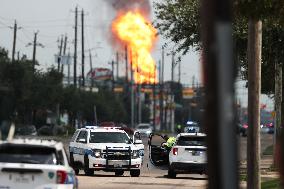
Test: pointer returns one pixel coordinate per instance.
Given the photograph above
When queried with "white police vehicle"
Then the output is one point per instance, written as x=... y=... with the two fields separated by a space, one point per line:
x=188 y=155
x=31 y=163
x=108 y=149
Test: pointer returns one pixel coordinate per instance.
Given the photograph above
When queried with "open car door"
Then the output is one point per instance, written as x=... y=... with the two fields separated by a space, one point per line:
x=158 y=155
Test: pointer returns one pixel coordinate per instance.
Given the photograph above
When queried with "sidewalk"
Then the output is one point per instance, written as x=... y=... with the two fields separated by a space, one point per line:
x=266 y=170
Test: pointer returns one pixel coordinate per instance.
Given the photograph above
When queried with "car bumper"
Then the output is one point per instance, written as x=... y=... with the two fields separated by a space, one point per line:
x=185 y=167
x=112 y=165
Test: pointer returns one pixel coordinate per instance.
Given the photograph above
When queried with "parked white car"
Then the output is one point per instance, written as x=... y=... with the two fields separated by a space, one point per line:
x=188 y=155
x=35 y=164
x=108 y=149
x=145 y=129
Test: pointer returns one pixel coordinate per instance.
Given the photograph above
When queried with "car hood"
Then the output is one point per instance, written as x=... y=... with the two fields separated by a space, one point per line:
x=121 y=146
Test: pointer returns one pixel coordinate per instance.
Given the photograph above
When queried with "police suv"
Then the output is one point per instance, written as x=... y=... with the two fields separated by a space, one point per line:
x=32 y=163
x=109 y=149
x=188 y=155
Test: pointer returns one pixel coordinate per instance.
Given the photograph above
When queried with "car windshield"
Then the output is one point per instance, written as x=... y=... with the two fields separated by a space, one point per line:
x=191 y=141
x=27 y=154
x=109 y=137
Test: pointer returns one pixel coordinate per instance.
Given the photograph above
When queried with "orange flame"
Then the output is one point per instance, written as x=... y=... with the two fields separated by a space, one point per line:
x=132 y=29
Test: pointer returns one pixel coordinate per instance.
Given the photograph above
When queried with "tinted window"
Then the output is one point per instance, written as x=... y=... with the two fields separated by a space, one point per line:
x=108 y=137
x=27 y=154
x=60 y=158
x=191 y=141
x=82 y=135
x=74 y=136
x=144 y=127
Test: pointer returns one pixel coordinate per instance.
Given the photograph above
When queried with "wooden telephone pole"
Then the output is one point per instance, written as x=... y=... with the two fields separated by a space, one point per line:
x=34 y=44
x=15 y=28
x=254 y=84
x=75 y=48
x=83 y=50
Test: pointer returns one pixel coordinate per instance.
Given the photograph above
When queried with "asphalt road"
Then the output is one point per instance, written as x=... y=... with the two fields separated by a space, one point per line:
x=151 y=177
x=155 y=177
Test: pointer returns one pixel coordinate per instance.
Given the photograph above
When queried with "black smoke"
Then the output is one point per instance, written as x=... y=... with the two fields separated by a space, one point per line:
x=125 y=5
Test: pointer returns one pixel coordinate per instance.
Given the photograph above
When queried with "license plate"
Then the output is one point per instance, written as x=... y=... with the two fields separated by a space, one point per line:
x=117 y=165
x=22 y=179
x=196 y=153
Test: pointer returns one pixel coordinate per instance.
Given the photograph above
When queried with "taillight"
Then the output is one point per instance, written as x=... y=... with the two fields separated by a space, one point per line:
x=175 y=151
x=61 y=177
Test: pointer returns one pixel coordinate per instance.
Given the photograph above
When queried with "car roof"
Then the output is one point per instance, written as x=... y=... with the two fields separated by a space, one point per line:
x=103 y=129
x=34 y=142
x=192 y=134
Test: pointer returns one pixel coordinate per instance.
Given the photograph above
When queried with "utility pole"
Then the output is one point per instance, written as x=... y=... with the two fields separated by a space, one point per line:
x=132 y=95
x=91 y=68
x=161 y=85
x=139 y=104
x=278 y=104
x=179 y=72
x=172 y=93
x=254 y=85
x=64 y=53
x=34 y=44
x=117 y=66
x=68 y=68
x=59 y=60
x=219 y=78
x=112 y=69
x=126 y=65
x=83 y=51
x=75 y=48
x=154 y=98
x=14 y=40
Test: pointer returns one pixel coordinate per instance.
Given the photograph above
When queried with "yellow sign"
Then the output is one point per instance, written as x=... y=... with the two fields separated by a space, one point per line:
x=273 y=114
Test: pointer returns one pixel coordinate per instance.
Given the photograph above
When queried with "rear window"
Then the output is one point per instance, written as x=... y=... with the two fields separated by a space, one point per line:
x=144 y=127
x=191 y=141
x=28 y=154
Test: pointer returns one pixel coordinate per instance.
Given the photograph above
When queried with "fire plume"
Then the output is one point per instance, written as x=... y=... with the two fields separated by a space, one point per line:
x=134 y=30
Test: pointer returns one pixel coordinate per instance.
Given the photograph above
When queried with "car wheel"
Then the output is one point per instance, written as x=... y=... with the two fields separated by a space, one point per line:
x=135 y=173
x=172 y=173
x=87 y=170
x=119 y=173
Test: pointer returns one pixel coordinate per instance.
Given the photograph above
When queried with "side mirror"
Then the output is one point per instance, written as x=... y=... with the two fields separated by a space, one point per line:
x=138 y=142
x=82 y=140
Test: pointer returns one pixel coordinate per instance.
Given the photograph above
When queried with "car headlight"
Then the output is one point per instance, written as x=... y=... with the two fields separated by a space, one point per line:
x=97 y=153
x=135 y=154
x=148 y=132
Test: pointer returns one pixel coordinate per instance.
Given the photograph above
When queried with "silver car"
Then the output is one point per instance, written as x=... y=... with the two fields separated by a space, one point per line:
x=145 y=129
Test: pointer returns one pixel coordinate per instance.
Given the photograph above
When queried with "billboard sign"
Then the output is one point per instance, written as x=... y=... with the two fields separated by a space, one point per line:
x=100 y=74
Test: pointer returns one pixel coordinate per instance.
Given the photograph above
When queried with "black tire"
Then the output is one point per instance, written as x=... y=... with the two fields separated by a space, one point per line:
x=172 y=173
x=87 y=170
x=73 y=165
x=135 y=173
x=119 y=173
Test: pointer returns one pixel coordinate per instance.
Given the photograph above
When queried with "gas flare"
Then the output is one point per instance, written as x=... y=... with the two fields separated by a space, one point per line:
x=134 y=30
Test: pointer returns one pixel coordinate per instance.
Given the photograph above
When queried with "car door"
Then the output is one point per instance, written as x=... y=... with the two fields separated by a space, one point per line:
x=158 y=155
x=79 y=147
